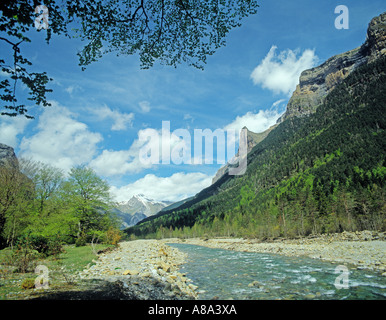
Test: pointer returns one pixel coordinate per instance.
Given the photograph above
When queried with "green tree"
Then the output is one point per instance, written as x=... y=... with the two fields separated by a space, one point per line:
x=170 y=31
x=45 y=216
x=88 y=199
x=46 y=180
x=15 y=194
x=247 y=195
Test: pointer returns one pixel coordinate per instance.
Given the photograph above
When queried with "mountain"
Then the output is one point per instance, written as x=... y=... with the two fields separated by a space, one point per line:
x=138 y=208
x=315 y=84
x=7 y=156
x=321 y=168
x=175 y=205
x=252 y=140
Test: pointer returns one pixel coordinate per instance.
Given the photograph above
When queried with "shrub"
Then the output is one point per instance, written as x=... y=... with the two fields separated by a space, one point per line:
x=39 y=243
x=113 y=236
x=24 y=259
x=55 y=247
x=81 y=241
x=28 y=284
x=24 y=255
x=44 y=245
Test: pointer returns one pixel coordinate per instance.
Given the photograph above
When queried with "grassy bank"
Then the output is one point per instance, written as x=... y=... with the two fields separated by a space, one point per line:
x=61 y=272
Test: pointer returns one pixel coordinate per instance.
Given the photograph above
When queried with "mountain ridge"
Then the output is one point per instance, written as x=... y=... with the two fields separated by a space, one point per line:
x=138 y=208
x=319 y=171
x=315 y=83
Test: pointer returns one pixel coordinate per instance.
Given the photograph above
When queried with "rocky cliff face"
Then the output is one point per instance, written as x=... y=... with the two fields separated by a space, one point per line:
x=7 y=156
x=252 y=140
x=316 y=83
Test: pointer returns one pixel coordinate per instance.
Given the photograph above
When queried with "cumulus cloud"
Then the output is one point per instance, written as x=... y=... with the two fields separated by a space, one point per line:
x=256 y=122
x=280 y=72
x=260 y=121
x=10 y=128
x=120 y=120
x=60 y=140
x=112 y=163
x=152 y=147
x=174 y=188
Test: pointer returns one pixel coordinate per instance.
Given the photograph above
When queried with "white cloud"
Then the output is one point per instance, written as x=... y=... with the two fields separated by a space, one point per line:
x=5 y=74
x=120 y=120
x=277 y=103
x=73 y=89
x=280 y=73
x=174 y=188
x=10 y=128
x=145 y=106
x=134 y=160
x=111 y=163
x=256 y=122
x=188 y=117
x=61 y=140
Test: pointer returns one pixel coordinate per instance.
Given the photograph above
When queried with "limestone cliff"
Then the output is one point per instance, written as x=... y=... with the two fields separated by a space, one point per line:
x=7 y=156
x=252 y=140
x=316 y=83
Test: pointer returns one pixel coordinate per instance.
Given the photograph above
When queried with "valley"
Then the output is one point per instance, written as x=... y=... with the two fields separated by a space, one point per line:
x=319 y=170
x=221 y=268
x=84 y=188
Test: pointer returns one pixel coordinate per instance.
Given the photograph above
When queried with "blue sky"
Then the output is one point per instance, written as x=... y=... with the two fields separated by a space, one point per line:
x=98 y=115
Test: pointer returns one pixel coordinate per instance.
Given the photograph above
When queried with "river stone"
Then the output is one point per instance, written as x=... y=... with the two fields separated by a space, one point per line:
x=255 y=284
x=192 y=286
x=130 y=272
x=165 y=267
x=145 y=274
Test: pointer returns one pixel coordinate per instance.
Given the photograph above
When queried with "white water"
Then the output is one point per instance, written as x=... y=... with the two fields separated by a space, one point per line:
x=224 y=274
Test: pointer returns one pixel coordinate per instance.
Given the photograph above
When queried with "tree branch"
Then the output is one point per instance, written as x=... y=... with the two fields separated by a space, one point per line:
x=181 y=2
x=161 y=26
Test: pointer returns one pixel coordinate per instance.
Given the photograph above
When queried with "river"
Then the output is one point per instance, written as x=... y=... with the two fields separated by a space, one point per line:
x=225 y=274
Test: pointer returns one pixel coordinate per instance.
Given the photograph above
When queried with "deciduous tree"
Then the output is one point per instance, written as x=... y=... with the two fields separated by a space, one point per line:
x=169 y=31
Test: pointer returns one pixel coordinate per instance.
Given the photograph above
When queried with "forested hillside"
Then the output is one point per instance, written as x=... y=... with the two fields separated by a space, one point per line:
x=322 y=172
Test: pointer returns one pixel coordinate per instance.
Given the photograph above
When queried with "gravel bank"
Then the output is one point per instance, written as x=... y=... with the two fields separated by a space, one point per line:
x=364 y=250
x=143 y=270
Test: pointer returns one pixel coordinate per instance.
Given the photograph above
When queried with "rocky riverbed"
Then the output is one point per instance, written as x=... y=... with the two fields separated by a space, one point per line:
x=364 y=250
x=142 y=270
x=150 y=269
